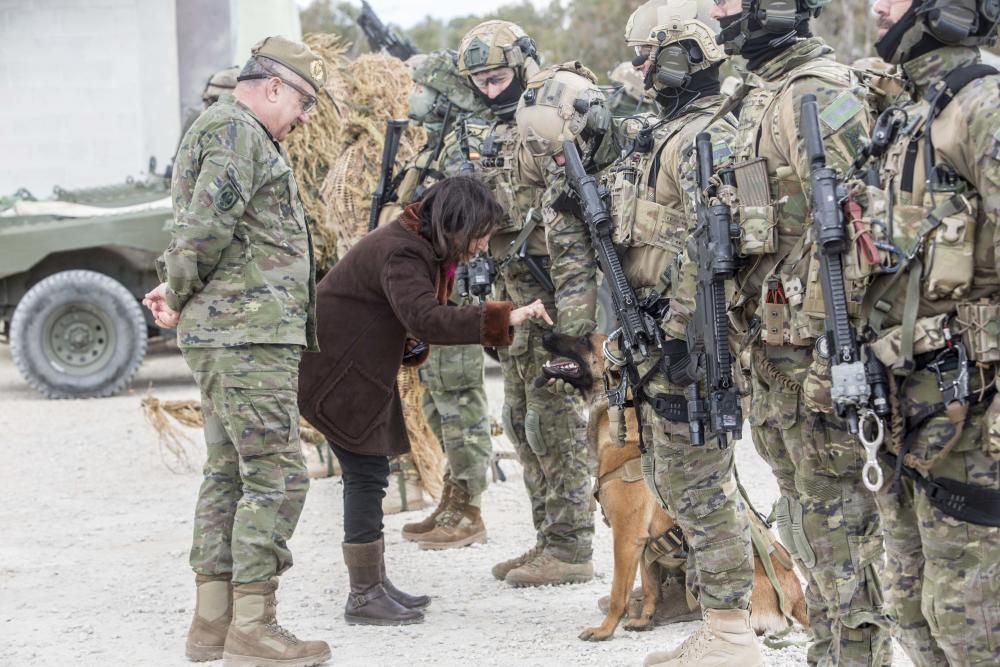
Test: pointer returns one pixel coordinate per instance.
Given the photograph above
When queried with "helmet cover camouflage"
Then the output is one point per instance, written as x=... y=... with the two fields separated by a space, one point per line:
x=561 y=103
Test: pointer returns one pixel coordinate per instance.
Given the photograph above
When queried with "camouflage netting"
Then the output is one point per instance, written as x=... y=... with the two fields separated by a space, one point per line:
x=424 y=446
x=336 y=155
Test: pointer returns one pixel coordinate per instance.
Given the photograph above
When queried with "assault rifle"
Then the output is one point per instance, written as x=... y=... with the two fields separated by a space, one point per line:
x=383 y=190
x=638 y=332
x=383 y=38
x=711 y=248
x=858 y=382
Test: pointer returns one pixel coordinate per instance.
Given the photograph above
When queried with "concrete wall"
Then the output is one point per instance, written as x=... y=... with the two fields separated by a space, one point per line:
x=89 y=90
x=92 y=88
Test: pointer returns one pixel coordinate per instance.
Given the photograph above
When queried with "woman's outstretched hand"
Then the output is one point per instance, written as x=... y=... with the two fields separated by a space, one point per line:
x=533 y=311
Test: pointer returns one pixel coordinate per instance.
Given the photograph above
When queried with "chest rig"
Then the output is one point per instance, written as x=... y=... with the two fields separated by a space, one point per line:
x=497 y=163
x=772 y=210
x=934 y=219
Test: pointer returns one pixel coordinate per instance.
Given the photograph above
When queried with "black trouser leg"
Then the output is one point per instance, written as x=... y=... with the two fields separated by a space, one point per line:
x=365 y=480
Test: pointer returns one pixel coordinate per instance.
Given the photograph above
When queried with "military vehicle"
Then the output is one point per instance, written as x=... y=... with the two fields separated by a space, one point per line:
x=73 y=271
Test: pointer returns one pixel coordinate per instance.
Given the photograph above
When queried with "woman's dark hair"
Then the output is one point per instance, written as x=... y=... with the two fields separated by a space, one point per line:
x=454 y=213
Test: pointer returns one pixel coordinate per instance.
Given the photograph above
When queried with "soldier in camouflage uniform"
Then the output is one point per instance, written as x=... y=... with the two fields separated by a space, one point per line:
x=940 y=501
x=825 y=516
x=455 y=402
x=653 y=205
x=239 y=287
x=543 y=255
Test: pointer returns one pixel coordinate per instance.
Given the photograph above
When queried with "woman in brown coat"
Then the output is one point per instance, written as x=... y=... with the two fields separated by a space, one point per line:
x=377 y=309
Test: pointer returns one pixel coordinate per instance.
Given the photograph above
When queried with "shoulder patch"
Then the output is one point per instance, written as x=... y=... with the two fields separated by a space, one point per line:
x=721 y=152
x=841 y=110
x=226 y=197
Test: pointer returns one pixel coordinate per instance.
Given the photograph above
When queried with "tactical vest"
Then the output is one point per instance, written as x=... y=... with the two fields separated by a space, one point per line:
x=652 y=234
x=772 y=211
x=497 y=163
x=943 y=255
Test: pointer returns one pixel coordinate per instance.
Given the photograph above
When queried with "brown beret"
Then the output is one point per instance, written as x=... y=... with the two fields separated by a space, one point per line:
x=296 y=56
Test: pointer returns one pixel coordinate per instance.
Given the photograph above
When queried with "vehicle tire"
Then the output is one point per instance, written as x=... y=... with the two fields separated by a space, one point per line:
x=78 y=334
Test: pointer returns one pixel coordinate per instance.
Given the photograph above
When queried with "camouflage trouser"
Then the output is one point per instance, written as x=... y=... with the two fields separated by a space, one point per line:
x=455 y=406
x=255 y=479
x=942 y=578
x=697 y=486
x=825 y=517
x=549 y=433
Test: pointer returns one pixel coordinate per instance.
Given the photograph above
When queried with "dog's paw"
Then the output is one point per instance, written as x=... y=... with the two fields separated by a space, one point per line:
x=597 y=634
x=639 y=624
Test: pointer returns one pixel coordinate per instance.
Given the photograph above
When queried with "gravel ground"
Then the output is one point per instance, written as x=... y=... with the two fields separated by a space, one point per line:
x=93 y=567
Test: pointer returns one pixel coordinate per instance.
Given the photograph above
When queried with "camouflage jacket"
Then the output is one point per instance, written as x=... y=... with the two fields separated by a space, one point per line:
x=240 y=265
x=524 y=183
x=772 y=173
x=653 y=203
x=958 y=258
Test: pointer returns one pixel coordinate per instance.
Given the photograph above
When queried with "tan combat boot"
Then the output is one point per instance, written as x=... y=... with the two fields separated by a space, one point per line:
x=256 y=640
x=546 y=569
x=415 y=530
x=212 y=613
x=459 y=525
x=672 y=607
x=724 y=639
x=501 y=570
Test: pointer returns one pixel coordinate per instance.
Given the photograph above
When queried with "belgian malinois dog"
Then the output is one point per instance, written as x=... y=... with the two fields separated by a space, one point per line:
x=635 y=516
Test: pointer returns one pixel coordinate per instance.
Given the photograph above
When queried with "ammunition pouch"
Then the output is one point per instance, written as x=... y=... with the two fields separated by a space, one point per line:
x=755 y=213
x=949 y=258
x=979 y=323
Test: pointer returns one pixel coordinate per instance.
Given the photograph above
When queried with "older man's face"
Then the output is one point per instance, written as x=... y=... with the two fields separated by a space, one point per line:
x=888 y=12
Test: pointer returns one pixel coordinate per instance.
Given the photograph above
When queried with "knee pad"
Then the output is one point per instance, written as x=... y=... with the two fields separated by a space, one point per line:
x=533 y=432
x=788 y=519
x=507 y=417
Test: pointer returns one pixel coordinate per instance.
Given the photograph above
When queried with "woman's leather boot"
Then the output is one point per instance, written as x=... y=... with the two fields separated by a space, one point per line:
x=369 y=603
x=405 y=599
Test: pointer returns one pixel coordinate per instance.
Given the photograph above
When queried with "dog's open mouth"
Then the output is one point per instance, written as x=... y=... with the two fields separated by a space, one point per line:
x=560 y=368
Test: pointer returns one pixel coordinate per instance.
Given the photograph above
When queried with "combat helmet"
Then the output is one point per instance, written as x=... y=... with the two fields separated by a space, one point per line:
x=494 y=44
x=778 y=20
x=436 y=85
x=562 y=103
x=220 y=83
x=950 y=22
x=683 y=45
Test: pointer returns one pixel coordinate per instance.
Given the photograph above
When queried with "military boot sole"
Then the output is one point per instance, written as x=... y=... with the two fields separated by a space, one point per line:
x=478 y=538
x=562 y=581
x=197 y=653
x=235 y=660
x=364 y=620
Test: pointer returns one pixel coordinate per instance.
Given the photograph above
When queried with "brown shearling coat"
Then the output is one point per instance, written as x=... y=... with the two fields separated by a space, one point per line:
x=387 y=289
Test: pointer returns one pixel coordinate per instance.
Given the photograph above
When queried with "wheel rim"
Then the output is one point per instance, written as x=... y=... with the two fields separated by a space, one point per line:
x=78 y=339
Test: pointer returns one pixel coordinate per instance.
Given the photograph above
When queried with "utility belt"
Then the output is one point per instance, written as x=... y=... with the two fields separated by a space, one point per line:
x=965 y=502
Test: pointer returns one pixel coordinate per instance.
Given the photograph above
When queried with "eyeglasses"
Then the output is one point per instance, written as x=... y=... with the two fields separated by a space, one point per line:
x=644 y=51
x=482 y=81
x=308 y=99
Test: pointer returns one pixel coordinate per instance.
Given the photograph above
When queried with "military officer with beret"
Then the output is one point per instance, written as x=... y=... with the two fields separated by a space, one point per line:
x=238 y=285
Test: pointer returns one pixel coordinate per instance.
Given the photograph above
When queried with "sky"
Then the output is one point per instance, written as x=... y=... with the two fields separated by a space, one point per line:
x=406 y=13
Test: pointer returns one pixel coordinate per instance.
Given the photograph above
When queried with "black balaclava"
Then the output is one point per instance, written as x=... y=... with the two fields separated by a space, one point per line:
x=504 y=105
x=890 y=42
x=701 y=84
x=760 y=49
